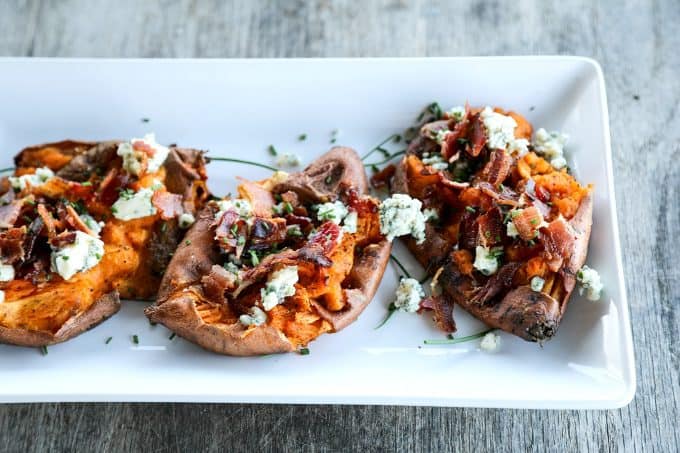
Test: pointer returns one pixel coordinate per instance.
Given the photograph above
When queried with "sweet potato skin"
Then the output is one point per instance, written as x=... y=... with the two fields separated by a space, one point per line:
x=180 y=290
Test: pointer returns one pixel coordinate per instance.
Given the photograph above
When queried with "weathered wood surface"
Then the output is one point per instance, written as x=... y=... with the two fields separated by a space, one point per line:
x=637 y=44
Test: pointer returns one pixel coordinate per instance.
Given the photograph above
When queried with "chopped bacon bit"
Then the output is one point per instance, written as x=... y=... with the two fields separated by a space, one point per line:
x=527 y=222
x=231 y=232
x=558 y=241
x=452 y=142
x=327 y=236
x=49 y=221
x=491 y=228
x=291 y=197
x=169 y=204
x=217 y=283
x=141 y=146
x=467 y=237
x=9 y=213
x=63 y=238
x=267 y=232
x=478 y=138
x=452 y=184
x=443 y=311
x=497 y=168
x=260 y=198
x=73 y=219
x=506 y=197
x=12 y=245
x=382 y=178
x=109 y=187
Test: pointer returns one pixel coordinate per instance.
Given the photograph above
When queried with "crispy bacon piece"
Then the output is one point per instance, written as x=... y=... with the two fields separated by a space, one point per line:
x=231 y=232
x=48 y=220
x=32 y=233
x=268 y=264
x=468 y=231
x=478 y=136
x=9 y=213
x=496 y=284
x=506 y=196
x=12 y=245
x=267 y=232
x=110 y=186
x=217 y=283
x=63 y=238
x=527 y=222
x=443 y=180
x=168 y=204
x=382 y=178
x=497 y=168
x=443 y=311
x=459 y=130
x=321 y=244
x=490 y=230
x=558 y=240
x=260 y=198
x=73 y=219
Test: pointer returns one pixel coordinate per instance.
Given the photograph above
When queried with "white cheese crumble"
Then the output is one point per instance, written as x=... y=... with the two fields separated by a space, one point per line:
x=288 y=160
x=85 y=252
x=500 y=132
x=41 y=176
x=132 y=158
x=255 y=317
x=440 y=136
x=431 y=215
x=490 y=342
x=280 y=285
x=335 y=212
x=92 y=224
x=400 y=215
x=435 y=160
x=486 y=260
x=537 y=284
x=241 y=206
x=551 y=146
x=350 y=222
x=590 y=283
x=457 y=113
x=185 y=220
x=134 y=205
x=409 y=295
x=6 y=272
x=511 y=230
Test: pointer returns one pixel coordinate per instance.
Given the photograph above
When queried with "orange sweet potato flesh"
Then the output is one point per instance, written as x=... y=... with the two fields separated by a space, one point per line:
x=55 y=310
x=326 y=299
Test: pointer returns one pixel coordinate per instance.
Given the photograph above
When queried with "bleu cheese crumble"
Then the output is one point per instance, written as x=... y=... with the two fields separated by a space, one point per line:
x=550 y=145
x=133 y=158
x=254 y=317
x=242 y=207
x=40 y=177
x=134 y=205
x=537 y=284
x=435 y=160
x=409 y=295
x=280 y=284
x=400 y=215
x=84 y=253
x=457 y=113
x=500 y=132
x=590 y=283
x=490 y=342
x=185 y=220
x=6 y=272
x=486 y=260
x=288 y=160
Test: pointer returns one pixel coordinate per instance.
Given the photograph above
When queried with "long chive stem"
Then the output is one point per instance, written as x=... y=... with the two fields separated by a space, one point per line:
x=388 y=159
x=401 y=266
x=240 y=161
x=379 y=145
x=390 y=312
x=459 y=340
x=5 y=170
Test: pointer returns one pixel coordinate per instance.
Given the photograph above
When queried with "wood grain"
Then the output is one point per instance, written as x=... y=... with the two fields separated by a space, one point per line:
x=637 y=44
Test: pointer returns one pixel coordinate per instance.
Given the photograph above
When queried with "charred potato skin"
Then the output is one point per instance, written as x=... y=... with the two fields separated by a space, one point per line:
x=180 y=289
x=532 y=316
x=184 y=167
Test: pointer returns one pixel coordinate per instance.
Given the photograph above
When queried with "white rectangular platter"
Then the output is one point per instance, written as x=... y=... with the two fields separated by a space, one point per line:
x=237 y=108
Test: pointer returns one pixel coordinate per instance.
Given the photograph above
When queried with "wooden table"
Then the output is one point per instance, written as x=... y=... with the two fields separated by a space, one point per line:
x=638 y=45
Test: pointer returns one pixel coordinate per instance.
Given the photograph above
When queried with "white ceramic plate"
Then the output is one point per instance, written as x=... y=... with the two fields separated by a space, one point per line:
x=238 y=107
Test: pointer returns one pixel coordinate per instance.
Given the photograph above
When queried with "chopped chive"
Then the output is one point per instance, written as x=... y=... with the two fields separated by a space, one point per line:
x=391 y=309
x=254 y=258
x=375 y=169
x=135 y=339
x=272 y=150
x=304 y=351
x=187 y=242
x=329 y=179
x=399 y=153
x=145 y=120
x=241 y=161
x=470 y=209
x=288 y=207
x=452 y=340
x=108 y=340
x=302 y=137
x=171 y=337
x=241 y=240
x=164 y=227
x=43 y=350
x=86 y=183
x=234 y=229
